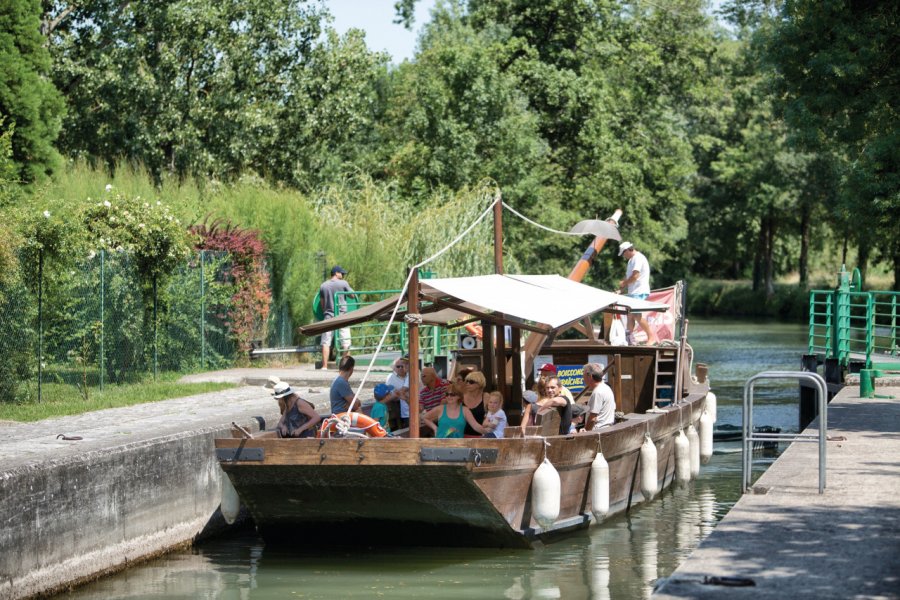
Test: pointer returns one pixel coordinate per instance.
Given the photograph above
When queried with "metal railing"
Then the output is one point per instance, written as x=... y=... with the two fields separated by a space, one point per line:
x=749 y=436
x=434 y=340
x=847 y=321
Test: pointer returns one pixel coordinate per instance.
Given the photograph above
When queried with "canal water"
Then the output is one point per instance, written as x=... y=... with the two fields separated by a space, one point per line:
x=619 y=560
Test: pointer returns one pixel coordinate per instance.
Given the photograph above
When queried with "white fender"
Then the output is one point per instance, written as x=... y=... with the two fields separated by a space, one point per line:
x=649 y=471
x=706 y=437
x=600 y=487
x=712 y=406
x=694 y=440
x=545 y=494
x=231 y=503
x=682 y=458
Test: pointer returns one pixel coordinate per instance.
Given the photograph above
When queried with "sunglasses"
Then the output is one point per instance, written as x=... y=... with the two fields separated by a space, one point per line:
x=471 y=381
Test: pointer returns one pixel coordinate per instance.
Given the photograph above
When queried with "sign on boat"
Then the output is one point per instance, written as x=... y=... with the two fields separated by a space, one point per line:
x=508 y=492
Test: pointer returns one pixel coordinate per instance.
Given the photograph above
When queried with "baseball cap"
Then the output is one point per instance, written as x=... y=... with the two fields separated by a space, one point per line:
x=547 y=368
x=624 y=246
x=382 y=390
x=282 y=389
x=338 y=269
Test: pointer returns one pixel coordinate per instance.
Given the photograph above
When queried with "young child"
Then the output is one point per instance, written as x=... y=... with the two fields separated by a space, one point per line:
x=494 y=418
x=380 y=408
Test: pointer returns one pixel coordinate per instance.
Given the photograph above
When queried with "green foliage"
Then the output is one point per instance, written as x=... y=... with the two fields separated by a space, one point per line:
x=58 y=400
x=30 y=107
x=837 y=82
x=455 y=117
x=146 y=230
x=738 y=299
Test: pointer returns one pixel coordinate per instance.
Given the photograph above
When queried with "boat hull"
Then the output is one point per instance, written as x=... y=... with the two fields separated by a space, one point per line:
x=468 y=492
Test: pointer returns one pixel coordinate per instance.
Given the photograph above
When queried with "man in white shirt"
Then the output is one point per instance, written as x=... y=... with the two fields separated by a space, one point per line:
x=637 y=285
x=602 y=404
x=399 y=378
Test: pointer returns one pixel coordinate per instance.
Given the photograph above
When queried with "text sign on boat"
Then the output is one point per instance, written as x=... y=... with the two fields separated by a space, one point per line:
x=570 y=377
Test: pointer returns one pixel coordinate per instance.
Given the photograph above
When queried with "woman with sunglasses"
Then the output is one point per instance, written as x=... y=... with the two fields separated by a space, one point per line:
x=475 y=399
x=452 y=418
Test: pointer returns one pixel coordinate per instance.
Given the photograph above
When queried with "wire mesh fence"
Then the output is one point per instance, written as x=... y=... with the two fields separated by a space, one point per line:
x=73 y=329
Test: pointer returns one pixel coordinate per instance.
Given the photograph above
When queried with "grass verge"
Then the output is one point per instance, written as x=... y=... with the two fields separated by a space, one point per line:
x=62 y=400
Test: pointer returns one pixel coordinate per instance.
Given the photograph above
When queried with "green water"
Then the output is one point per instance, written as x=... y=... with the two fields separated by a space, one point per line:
x=620 y=559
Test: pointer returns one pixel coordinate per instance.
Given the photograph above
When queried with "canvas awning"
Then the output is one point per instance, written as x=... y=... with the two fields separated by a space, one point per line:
x=535 y=302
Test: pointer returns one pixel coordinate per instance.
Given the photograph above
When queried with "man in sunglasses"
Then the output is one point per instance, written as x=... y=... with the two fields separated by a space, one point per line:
x=399 y=379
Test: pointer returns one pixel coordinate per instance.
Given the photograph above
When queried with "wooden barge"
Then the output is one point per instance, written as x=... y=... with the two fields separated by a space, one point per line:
x=479 y=491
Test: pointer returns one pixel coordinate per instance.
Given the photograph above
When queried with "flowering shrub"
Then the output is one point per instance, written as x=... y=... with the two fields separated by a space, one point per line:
x=248 y=314
x=145 y=229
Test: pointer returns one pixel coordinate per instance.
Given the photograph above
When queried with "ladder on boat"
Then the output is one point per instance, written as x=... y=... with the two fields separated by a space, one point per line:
x=664 y=383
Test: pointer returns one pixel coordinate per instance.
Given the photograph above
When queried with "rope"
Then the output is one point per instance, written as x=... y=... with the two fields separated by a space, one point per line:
x=390 y=322
x=536 y=224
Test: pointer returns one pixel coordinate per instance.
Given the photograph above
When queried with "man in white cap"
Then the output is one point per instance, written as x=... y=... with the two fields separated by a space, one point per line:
x=637 y=285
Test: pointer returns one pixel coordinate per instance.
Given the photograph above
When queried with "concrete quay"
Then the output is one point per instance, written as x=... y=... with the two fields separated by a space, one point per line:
x=142 y=480
x=790 y=541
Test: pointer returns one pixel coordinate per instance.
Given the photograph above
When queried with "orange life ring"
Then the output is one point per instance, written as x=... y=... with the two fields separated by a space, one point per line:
x=474 y=329
x=370 y=426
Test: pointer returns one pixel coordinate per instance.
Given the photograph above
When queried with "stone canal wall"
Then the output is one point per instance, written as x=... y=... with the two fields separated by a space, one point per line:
x=141 y=481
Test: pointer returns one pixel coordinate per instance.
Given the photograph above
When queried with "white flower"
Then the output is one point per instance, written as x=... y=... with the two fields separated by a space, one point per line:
x=108 y=187
x=158 y=203
x=141 y=225
x=46 y=214
x=91 y=255
x=107 y=203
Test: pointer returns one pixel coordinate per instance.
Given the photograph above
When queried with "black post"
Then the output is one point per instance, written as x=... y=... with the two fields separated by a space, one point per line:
x=40 y=321
x=808 y=407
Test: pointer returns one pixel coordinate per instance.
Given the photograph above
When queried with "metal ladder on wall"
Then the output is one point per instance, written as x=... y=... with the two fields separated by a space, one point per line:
x=749 y=436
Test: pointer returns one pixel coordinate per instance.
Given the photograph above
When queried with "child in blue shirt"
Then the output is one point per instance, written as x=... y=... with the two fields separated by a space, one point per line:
x=380 y=409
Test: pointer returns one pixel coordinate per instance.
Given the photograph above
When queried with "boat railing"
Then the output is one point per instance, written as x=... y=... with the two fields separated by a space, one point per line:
x=749 y=436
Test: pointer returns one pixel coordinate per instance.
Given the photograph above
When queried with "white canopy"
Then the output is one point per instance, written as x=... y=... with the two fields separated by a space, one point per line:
x=549 y=300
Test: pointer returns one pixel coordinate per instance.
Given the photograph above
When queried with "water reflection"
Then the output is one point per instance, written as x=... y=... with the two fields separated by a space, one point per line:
x=620 y=559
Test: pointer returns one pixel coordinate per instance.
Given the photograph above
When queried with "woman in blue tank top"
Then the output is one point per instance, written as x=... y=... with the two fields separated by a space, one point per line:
x=451 y=417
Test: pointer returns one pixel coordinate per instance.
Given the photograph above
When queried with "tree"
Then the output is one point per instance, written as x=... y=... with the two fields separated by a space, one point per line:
x=30 y=107
x=837 y=75
x=210 y=87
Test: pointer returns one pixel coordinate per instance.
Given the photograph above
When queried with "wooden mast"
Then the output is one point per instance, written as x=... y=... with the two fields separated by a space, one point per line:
x=500 y=329
x=412 y=309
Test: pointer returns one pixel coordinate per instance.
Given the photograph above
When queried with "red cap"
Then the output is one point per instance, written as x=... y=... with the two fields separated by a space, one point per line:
x=547 y=367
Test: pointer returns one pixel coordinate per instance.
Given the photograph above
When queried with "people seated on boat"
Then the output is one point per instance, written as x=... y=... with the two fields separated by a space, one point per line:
x=495 y=418
x=449 y=420
x=551 y=398
x=433 y=389
x=637 y=285
x=602 y=402
x=578 y=412
x=474 y=398
x=398 y=400
x=341 y=393
x=299 y=419
x=548 y=370
x=460 y=377
x=529 y=411
x=379 y=410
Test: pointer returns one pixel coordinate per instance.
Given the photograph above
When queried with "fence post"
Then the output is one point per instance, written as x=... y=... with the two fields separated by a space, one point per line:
x=202 y=313
x=102 y=316
x=40 y=322
x=155 y=336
